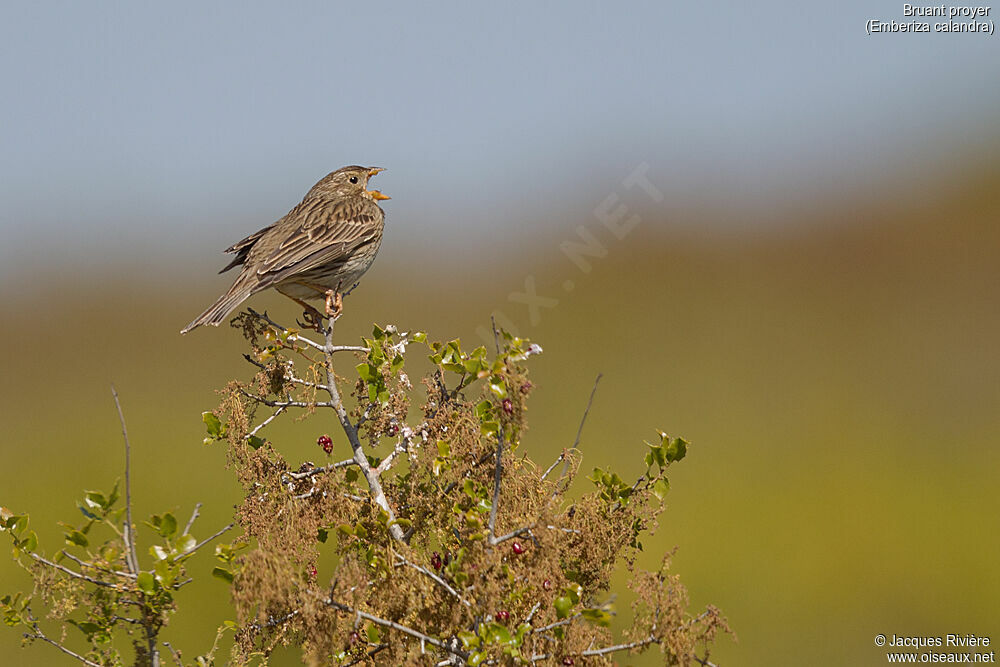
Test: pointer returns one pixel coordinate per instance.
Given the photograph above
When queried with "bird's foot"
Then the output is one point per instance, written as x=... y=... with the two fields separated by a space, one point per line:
x=334 y=303
x=313 y=320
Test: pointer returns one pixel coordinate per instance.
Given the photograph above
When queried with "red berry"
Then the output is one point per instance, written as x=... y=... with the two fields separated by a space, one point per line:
x=526 y=387
x=325 y=442
x=393 y=430
x=312 y=571
x=508 y=406
x=436 y=561
x=518 y=548
x=547 y=584
x=503 y=615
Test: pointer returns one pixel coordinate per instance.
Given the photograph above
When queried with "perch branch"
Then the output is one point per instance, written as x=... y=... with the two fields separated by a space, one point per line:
x=374 y=485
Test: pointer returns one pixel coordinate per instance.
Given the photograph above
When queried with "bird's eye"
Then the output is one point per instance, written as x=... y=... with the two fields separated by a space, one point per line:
x=354 y=179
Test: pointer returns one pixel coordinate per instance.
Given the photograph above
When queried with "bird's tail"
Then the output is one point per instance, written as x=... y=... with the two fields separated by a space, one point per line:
x=219 y=310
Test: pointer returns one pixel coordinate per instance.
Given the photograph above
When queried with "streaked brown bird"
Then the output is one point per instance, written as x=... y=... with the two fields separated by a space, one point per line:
x=320 y=248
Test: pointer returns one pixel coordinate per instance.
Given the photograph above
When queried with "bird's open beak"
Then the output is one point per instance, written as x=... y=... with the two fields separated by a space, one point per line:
x=376 y=195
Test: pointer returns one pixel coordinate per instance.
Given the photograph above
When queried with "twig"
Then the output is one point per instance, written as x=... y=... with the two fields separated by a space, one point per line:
x=284 y=404
x=565 y=621
x=82 y=563
x=511 y=535
x=38 y=634
x=531 y=614
x=130 y=557
x=374 y=485
x=194 y=515
x=380 y=647
x=436 y=578
x=321 y=469
x=559 y=458
x=264 y=423
x=76 y=575
x=497 y=477
x=590 y=402
x=416 y=634
x=579 y=431
x=621 y=647
x=205 y=541
x=174 y=654
x=496 y=334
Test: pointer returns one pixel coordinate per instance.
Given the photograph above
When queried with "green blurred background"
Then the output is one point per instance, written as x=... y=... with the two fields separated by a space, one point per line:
x=813 y=303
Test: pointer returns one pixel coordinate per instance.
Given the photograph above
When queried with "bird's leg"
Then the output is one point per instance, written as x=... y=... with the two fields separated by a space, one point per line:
x=334 y=303
x=313 y=318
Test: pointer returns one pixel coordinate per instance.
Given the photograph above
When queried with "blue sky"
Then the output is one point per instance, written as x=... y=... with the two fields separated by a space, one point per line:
x=152 y=124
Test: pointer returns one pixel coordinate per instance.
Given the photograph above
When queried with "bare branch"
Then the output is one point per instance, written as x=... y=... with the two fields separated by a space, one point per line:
x=283 y=404
x=194 y=516
x=511 y=535
x=321 y=469
x=374 y=485
x=83 y=563
x=416 y=634
x=174 y=654
x=258 y=427
x=497 y=477
x=130 y=556
x=559 y=458
x=38 y=634
x=436 y=578
x=621 y=647
x=565 y=621
x=205 y=541
x=75 y=575
x=590 y=402
x=367 y=656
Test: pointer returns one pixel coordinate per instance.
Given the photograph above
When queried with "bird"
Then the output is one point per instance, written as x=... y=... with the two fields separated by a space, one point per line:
x=318 y=249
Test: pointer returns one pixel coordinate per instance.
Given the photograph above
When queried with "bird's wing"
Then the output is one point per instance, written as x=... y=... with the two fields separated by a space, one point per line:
x=242 y=248
x=314 y=233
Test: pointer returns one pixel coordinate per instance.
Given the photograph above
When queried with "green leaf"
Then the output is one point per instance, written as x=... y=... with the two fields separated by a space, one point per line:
x=373 y=634
x=351 y=475
x=563 y=604
x=494 y=633
x=158 y=552
x=366 y=372
x=146 y=582
x=29 y=543
x=95 y=500
x=468 y=639
x=660 y=488
x=212 y=425
x=222 y=573
x=322 y=534
x=77 y=538
x=476 y=659
x=167 y=525
x=498 y=386
x=599 y=617
x=676 y=449
x=185 y=543
x=484 y=410
x=255 y=442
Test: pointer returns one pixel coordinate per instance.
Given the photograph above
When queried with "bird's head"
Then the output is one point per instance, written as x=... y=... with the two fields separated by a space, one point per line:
x=348 y=181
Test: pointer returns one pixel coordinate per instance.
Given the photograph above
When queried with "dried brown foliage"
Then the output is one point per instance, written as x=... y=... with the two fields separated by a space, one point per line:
x=533 y=586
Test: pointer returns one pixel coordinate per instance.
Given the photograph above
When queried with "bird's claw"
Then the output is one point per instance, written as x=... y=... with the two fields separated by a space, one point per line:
x=334 y=304
x=313 y=320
